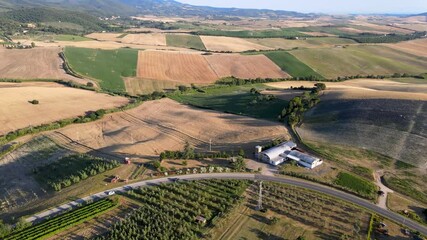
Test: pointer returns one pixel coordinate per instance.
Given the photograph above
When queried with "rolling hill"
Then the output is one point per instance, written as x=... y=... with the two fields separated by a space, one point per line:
x=132 y=7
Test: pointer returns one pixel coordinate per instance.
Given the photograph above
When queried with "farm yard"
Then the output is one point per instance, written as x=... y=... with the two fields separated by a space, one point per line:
x=178 y=67
x=290 y=213
x=38 y=63
x=108 y=67
x=244 y=66
x=362 y=60
x=17 y=113
x=214 y=43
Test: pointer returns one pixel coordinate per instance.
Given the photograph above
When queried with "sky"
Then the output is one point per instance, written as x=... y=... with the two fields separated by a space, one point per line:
x=323 y=6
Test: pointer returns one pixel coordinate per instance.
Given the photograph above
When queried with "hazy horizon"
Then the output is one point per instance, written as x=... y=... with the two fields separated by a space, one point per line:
x=323 y=6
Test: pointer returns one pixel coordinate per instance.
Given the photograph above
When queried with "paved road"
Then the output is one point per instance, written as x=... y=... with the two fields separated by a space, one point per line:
x=291 y=181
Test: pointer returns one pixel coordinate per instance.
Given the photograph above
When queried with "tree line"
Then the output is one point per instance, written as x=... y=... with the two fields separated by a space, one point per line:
x=300 y=104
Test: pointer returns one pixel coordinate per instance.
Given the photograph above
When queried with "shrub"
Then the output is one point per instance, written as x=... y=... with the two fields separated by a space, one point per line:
x=35 y=102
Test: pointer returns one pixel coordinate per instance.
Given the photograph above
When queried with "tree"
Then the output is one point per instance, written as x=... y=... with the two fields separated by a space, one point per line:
x=33 y=45
x=184 y=163
x=156 y=164
x=301 y=238
x=274 y=220
x=239 y=164
x=188 y=151
x=241 y=153
x=182 y=88
x=89 y=84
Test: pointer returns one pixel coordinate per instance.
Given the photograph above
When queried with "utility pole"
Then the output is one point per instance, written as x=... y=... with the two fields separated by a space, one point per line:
x=210 y=145
x=259 y=206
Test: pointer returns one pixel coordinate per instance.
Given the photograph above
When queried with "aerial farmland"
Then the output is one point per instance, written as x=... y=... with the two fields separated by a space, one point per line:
x=164 y=120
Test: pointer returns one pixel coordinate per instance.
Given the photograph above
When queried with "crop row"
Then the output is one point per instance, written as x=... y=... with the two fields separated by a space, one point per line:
x=169 y=211
x=64 y=221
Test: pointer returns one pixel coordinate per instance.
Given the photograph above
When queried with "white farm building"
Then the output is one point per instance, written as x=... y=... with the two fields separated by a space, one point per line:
x=284 y=152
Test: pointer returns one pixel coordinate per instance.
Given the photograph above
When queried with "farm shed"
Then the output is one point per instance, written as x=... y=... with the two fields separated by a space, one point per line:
x=304 y=159
x=275 y=155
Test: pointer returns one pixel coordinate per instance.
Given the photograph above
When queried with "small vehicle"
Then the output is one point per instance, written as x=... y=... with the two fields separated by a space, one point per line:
x=110 y=193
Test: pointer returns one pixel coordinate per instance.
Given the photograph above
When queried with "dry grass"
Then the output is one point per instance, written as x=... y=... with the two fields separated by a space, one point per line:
x=145 y=39
x=104 y=36
x=252 y=66
x=56 y=103
x=32 y=63
x=230 y=44
x=280 y=43
x=360 y=89
x=170 y=66
x=156 y=126
x=416 y=47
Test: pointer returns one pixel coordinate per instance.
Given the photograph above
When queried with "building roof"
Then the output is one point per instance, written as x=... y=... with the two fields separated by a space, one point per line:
x=303 y=156
x=275 y=151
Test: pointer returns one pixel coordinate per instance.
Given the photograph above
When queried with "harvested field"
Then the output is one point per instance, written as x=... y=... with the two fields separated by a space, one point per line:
x=360 y=89
x=146 y=131
x=56 y=102
x=230 y=44
x=135 y=86
x=244 y=66
x=280 y=43
x=145 y=39
x=364 y=60
x=395 y=128
x=37 y=63
x=179 y=67
x=416 y=47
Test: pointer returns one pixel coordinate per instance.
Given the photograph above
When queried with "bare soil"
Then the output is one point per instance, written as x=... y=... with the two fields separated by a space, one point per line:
x=241 y=66
x=230 y=44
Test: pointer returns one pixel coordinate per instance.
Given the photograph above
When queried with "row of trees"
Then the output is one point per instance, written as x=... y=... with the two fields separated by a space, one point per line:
x=169 y=211
x=384 y=38
x=300 y=104
x=72 y=169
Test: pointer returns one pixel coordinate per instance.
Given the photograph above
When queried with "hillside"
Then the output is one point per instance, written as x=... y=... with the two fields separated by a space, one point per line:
x=133 y=7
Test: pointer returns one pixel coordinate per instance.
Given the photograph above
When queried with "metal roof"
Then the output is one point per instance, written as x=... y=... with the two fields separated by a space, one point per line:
x=303 y=156
x=275 y=151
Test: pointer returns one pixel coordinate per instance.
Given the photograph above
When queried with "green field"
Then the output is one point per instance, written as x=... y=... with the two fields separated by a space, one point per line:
x=292 y=65
x=288 y=44
x=233 y=99
x=286 y=33
x=363 y=60
x=72 y=169
x=64 y=221
x=185 y=41
x=357 y=184
x=169 y=211
x=106 y=66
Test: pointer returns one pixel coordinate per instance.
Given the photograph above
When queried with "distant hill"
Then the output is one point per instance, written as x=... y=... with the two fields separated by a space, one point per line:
x=132 y=7
x=50 y=19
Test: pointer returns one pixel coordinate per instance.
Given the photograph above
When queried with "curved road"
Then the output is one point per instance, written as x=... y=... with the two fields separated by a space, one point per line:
x=290 y=181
